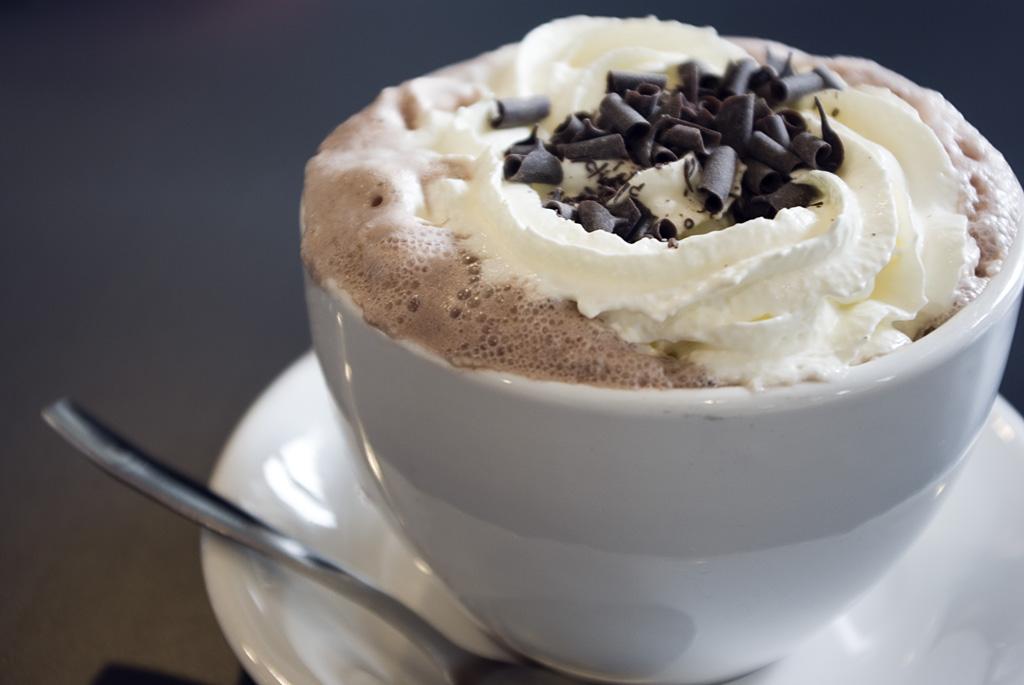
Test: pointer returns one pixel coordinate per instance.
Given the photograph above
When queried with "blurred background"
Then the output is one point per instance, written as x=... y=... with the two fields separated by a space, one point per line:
x=151 y=159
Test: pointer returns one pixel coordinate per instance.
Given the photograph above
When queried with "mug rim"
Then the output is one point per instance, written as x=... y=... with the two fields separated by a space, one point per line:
x=908 y=361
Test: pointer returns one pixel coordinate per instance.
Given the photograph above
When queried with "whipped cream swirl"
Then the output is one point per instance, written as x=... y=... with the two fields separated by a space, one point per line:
x=803 y=295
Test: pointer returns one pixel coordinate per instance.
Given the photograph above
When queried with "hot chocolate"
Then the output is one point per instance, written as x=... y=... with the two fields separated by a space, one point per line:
x=558 y=209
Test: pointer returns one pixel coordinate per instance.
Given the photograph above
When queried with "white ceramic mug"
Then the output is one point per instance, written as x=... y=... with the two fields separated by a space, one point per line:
x=682 y=536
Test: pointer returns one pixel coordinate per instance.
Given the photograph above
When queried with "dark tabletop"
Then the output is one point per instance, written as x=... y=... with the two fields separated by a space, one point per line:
x=150 y=167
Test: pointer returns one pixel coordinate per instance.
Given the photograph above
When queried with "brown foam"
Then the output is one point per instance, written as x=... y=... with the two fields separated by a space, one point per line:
x=416 y=281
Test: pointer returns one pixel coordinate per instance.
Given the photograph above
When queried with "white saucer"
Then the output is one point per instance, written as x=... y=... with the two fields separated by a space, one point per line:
x=950 y=613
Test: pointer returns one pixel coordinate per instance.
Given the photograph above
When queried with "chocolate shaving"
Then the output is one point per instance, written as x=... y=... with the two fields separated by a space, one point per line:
x=829 y=77
x=568 y=130
x=661 y=122
x=837 y=152
x=539 y=166
x=709 y=84
x=812 y=150
x=634 y=219
x=793 y=195
x=625 y=208
x=710 y=103
x=737 y=76
x=642 y=227
x=662 y=155
x=663 y=229
x=764 y=149
x=521 y=111
x=590 y=131
x=704 y=117
x=610 y=146
x=735 y=120
x=761 y=179
x=644 y=99
x=761 y=109
x=774 y=127
x=621 y=81
x=620 y=117
x=719 y=172
x=726 y=75
x=794 y=121
x=627 y=214
x=689 y=79
x=526 y=145
x=793 y=87
x=595 y=217
x=640 y=148
x=762 y=76
x=682 y=139
x=711 y=137
x=686 y=113
x=752 y=207
x=566 y=211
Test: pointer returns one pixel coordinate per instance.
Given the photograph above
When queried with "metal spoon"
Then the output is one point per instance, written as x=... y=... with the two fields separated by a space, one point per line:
x=198 y=504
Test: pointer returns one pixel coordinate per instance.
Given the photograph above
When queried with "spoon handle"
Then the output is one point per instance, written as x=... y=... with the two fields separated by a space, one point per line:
x=197 y=503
